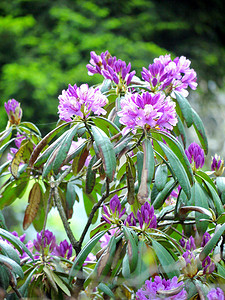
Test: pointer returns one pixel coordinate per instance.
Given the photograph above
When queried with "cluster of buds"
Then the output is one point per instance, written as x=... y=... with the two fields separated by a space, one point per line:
x=195 y=155
x=114 y=214
x=217 y=165
x=188 y=264
x=188 y=244
x=14 y=112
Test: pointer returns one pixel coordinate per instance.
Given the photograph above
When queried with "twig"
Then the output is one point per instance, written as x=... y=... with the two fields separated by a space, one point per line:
x=17 y=292
x=62 y=214
x=45 y=222
x=94 y=209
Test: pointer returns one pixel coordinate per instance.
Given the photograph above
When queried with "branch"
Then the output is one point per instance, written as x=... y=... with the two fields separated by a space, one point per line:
x=62 y=214
x=94 y=209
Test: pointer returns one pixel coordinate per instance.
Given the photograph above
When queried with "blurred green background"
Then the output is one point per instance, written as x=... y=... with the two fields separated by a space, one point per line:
x=45 y=45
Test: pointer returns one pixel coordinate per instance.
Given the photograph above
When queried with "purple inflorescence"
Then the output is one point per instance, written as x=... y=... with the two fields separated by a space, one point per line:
x=146 y=216
x=170 y=75
x=152 y=110
x=13 y=111
x=216 y=294
x=153 y=290
x=81 y=101
x=115 y=210
x=195 y=154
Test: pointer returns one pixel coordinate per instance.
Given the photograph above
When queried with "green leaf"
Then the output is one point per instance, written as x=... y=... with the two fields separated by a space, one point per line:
x=61 y=284
x=16 y=242
x=185 y=109
x=200 y=130
x=132 y=249
x=182 y=132
x=131 y=175
x=49 y=274
x=30 y=126
x=71 y=193
x=83 y=254
x=23 y=289
x=106 y=290
x=9 y=251
x=178 y=169
x=5 y=136
x=220 y=183
x=12 y=192
x=106 y=152
x=165 y=258
x=178 y=150
x=79 y=160
x=45 y=142
x=201 y=201
x=64 y=148
x=102 y=226
x=106 y=125
x=5 y=146
x=212 y=242
x=11 y=265
x=147 y=171
x=161 y=176
x=164 y=194
x=90 y=176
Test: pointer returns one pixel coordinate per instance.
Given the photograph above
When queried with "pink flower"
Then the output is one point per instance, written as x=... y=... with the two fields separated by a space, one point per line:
x=80 y=101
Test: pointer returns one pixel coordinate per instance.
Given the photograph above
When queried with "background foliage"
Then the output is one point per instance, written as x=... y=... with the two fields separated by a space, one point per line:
x=44 y=45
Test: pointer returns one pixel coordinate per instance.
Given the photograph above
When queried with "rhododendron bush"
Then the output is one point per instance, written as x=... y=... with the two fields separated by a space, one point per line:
x=155 y=210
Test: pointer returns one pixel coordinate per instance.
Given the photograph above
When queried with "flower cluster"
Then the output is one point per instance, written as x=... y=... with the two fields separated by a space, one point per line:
x=160 y=288
x=206 y=237
x=188 y=244
x=80 y=101
x=14 y=111
x=115 y=212
x=216 y=294
x=147 y=110
x=217 y=165
x=195 y=155
x=111 y=68
x=189 y=264
x=170 y=75
x=146 y=216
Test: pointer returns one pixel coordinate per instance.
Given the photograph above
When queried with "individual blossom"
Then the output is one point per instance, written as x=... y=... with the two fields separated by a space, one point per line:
x=147 y=110
x=104 y=240
x=217 y=165
x=81 y=101
x=216 y=294
x=160 y=288
x=49 y=242
x=188 y=264
x=64 y=249
x=14 y=112
x=115 y=213
x=188 y=244
x=111 y=68
x=206 y=237
x=208 y=266
x=130 y=220
x=195 y=155
x=170 y=75
x=146 y=216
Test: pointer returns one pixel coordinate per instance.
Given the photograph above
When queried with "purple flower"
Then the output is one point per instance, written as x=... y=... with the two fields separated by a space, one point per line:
x=217 y=165
x=146 y=216
x=216 y=294
x=195 y=154
x=18 y=141
x=64 y=249
x=14 y=111
x=162 y=288
x=49 y=242
x=80 y=101
x=188 y=264
x=208 y=266
x=152 y=110
x=206 y=237
x=106 y=237
x=188 y=244
x=130 y=220
x=168 y=76
x=115 y=208
x=111 y=68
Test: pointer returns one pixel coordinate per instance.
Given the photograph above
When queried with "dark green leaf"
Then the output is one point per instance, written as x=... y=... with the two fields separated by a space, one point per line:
x=185 y=108
x=178 y=169
x=9 y=251
x=106 y=125
x=30 y=126
x=83 y=254
x=11 y=265
x=106 y=152
x=161 y=176
x=90 y=176
x=164 y=194
x=106 y=290
x=200 y=130
x=132 y=249
x=12 y=192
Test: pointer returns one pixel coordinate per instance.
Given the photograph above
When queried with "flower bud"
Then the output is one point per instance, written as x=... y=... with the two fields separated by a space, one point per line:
x=14 y=112
x=217 y=165
x=189 y=264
